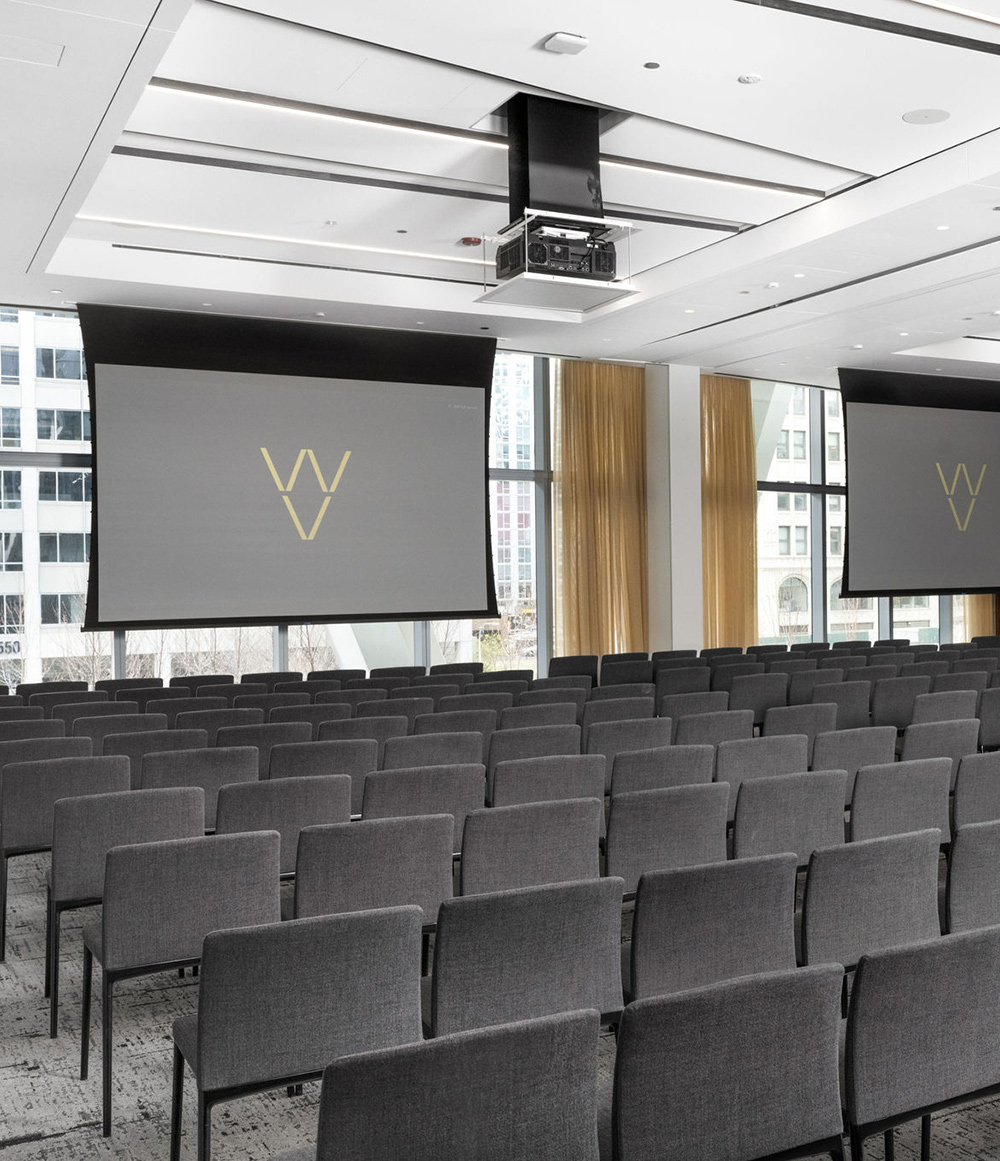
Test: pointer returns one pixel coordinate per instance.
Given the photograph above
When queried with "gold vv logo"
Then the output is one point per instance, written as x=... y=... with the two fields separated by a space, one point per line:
x=285 y=489
x=962 y=470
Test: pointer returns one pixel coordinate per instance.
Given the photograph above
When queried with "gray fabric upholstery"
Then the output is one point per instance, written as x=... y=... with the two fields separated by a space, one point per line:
x=973 y=895
x=317 y=685
x=851 y=749
x=487 y=684
x=901 y=796
x=351 y=697
x=945 y=706
x=377 y=862
x=285 y=805
x=841 y=659
x=989 y=719
x=493 y=676
x=660 y=767
x=698 y=925
x=976 y=680
x=731 y=1072
x=211 y=721
x=485 y=700
x=435 y=691
x=231 y=691
x=271 y=677
x=515 y=955
x=924 y=669
x=623 y=672
x=378 y=729
x=29 y=791
x=70 y=713
x=133 y=746
x=892 y=700
x=565 y=681
x=161 y=899
x=709 y=729
x=976 y=665
x=574 y=665
x=16 y=712
x=801 y=685
x=461 y=674
x=453 y=790
x=194 y=682
x=174 y=706
x=853 y=702
x=19 y=728
x=26 y=688
x=355 y=757
x=977 y=789
x=864 y=896
x=48 y=701
x=553 y=714
x=723 y=676
x=483 y=721
x=432 y=750
x=952 y=739
x=759 y=758
x=790 y=812
x=759 y=692
x=263 y=736
x=409 y=671
x=616 y=709
x=99 y=728
x=922 y=1025
x=458 y=1097
x=548 y=779
x=686 y=679
x=270 y=701
x=818 y=718
x=678 y=705
x=315 y=715
x=614 y=738
x=791 y=665
x=624 y=689
x=530 y=742
x=875 y=673
x=37 y=749
x=658 y=830
x=530 y=844
x=385 y=683
x=555 y=695
x=209 y=768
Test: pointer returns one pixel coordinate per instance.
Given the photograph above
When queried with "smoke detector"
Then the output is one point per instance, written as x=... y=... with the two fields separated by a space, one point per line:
x=568 y=43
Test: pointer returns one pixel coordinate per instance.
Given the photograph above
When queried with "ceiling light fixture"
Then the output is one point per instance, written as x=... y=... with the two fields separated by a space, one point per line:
x=973 y=14
x=798 y=276
x=278 y=238
x=55 y=292
x=711 y=179
x=689 y=310
x=749 y=78
x=904 y=334
x=858 y=347
x=944 y=227
x=926 y=116
x=651 y=64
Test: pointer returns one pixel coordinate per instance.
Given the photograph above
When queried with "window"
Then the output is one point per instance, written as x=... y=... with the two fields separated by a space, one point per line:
x=12 y=611
x=63 y=424
x=9 y=314
x=799 y=401
x=921 y=602
x=10 y=552
x=784 y=540
x=62 y=608
x=10 y=426
x=840 y=604
x=69 y=486
x=10 y=489
x=64 y=547
x=801 y=540
x=836 y=547
x=783 y=501
x=781 y=452
x=833 y=446
x=10 y=365
x=800 y=502
x=833 y=404
x=58 y=363
x=798 y=445
x=834 y=503
x=793 y=595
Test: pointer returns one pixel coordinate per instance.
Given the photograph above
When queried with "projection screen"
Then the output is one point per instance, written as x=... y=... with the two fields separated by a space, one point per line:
x=248 y=472
x=923 y=484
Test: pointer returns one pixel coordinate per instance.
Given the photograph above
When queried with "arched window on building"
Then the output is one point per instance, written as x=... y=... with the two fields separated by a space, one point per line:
x=793 y=595
x=840 y=604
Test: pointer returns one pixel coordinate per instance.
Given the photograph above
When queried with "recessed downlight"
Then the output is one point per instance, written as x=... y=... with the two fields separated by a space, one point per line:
x=798 y=276
x=944 y=227
x=926 y=116
x=55 y=292
x=651 y=64
x=858 y=347
x=904 y=334
x=749 y=78
x=689 y=310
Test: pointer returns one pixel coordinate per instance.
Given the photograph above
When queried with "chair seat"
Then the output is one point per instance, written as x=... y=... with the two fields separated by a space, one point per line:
x=93 y=940
x=185 y=1031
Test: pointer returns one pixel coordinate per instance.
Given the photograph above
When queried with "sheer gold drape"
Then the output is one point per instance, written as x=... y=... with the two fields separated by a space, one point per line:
x=599 y=488
x=980 y=619
x=728 y=512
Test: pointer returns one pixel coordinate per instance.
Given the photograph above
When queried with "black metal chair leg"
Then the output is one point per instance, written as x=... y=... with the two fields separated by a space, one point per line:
x=890 y=1145
x=3 y=907
x=52 y=954
x=176 y=1105
x=106 y=1038
x=48 y=942
x=857 y=1144
x=925 y=1137
x=204 y=1128
x=88 y=978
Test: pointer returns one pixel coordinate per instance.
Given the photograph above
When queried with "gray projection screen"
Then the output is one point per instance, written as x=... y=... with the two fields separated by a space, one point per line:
x=923 y=485
x=243 y=497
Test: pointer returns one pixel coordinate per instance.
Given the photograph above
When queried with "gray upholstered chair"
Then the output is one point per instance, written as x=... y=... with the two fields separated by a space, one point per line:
x=790 y=665
x=758 y=693
x=624 y=689
x=142 y=697
x=892 y=700
x=554 y=696
x=921 y=1034
x=972 y=898
x=230 y=692
x=989 y=719
x=636 y=672
x=270 y=701
x=193 y=682
x=529 y=742
x=548 y=779
x=264 y=736
x=554 y=714
x=432 y=750
x=312 y=688
x=99 y=728
x=350 y=697
x=271 y=678
x=657 y=830
x=483 y=721
x=841 y=659
x=453 y=790
x=495 y=684
x=484 y=698
x=355 y=757
x=49 y=701
x=268 y=1017
x=900 y=797
x=377 y=862
x=951 y=739
x=25 y=689
x=315 y=715
x=759 y=758
x=678 y=705
x=458 y=1096
x=531 y=844
x=873 y=673
x=435 y=692
x=341 y=675
x=723 y=676
x=618 y=737
x=122 y=688
x=868 y=895
x=210 y=768
x=699 y=925
x=377 y=729
x=709 y=729
x=851 y=749
x=802 y=684
x=977 y=789
x=410 y=671
x=575 y=665
x=616 y=709
x=213 y=720
x=945 y=706
x=789 y=812
x=682 y=1091
x=70 y=713
x=853 y=702
x=20 y=729
x=976 y=665
x=818 y=718
x=285 y=805
x=515 y=955
x=84 y=829
x=683 y=679
x=16 y=712
x=160 y=901
x=460 y=677
x=566 y=681
x=660 y=767
x=173 y=707
x=924 y=669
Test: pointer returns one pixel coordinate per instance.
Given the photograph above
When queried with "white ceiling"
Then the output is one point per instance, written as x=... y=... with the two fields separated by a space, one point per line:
x=298 y=159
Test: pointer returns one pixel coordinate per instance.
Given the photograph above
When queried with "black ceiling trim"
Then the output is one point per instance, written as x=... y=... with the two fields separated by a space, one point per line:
x=874 y=24
x=982 y=338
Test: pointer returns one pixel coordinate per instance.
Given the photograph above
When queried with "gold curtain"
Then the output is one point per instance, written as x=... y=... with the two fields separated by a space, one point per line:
x=980 y=618
x=728 y=512
x=599 y=478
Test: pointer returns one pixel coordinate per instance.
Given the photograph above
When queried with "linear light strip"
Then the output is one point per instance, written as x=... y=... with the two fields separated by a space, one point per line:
x=109 y=221
x=958 y=11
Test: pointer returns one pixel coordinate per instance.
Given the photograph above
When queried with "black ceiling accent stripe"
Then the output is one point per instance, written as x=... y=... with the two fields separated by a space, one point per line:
x=982 y=338
x=874 y=24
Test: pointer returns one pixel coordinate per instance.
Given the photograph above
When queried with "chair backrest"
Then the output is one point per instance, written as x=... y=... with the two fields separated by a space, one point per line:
x=435 y=691
x=789 y=812
x=698 y=925
x=709 y=729
x=37 y=749
x=350 y=697
x=377 y=729
x=661 y=767
x=723 y=676
x=976 y=665
x=23 y=728
x=134 y=746
x=951 y=739
x=616 y=709
x=432 y=750
x=230 y=692
x=851 y=749
x=69 y=713
x=457 y=677
x=270 y=701
x=266 y=1009
x=552 y=714
x=482 y=721
x=114 y=686
x=26 y=688
x=270 y=678
x=868 y=895
x=341 y=675
x=529 y=742
x=673 y=1051
x=264 y=735
x=977 y=789
x=185 y=703
x=84 y=829
x=513 y=955
x=354 y=757
x=453 y=790
x=623 y=689
x=577 y=665
x=614 y=738
x=456 y=667
x=899 y=797
x=48 y=701
x=567 y=681
x=161 y=899
x=209 y=768
x=494 y=684
x=989 y=719
x=801 y=685
x=548 y=779
x=924 y=668
x=853 y=702
x=554 y=694
x=315 y=715
x=658 y=830
x=975 y=679
x=311 y=688
x=17 y=712
x=818 y=718
x=921 y=1027
x=892 y=700
x=99 y=728
x=945 y=706
x=213 y=720
x=873 y=673
x=758 y=693
x=841 y=659
x=683 y=679
x=530 y=844
x=626 y=672
x=972 y=898
x=790 y=665
x=377 y=862
x=398 y=671
x=29 y=791
x=285 y=805
x=407 y=707
x=491 y=1093
x=488 y=699
x=194 y=682
x=678 y=705
x=759 y=758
